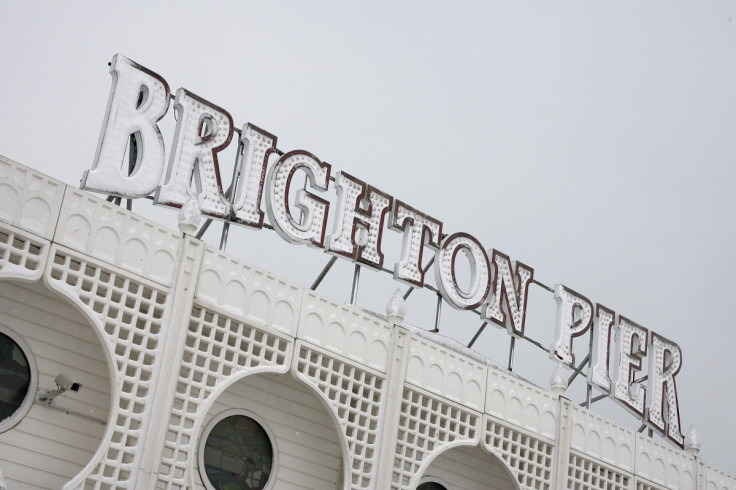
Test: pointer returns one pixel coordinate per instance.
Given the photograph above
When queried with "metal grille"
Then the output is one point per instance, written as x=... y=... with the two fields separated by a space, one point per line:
x=529 y=458
x=132 y=314
x=584 y=474
x=426 y=423
x=216 y=347
x=355 y=397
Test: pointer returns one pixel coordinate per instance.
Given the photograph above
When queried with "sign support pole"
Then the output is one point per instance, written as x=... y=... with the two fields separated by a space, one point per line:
x=578 y=369
x=512 y=346
x=438 y=314
x=356 y=281
x=477 y=334
x=322 y=274
x=589 y=388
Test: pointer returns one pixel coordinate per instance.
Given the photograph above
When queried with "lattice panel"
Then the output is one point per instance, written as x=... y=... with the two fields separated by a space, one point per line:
x=217 y=347
x=529 y=458
x=20 y=255
x=584 y=474
x=425 y=425
x=132 y=314
x=355 y=397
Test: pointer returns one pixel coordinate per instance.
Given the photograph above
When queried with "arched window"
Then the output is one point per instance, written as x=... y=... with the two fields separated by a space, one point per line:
x=237 y=452
x=432 y=483
x=18 y=378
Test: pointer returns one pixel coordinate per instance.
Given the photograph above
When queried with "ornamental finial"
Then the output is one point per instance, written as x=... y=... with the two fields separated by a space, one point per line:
x=396 y=308
x=558 y=381
x=692 y=441
x=189 y=216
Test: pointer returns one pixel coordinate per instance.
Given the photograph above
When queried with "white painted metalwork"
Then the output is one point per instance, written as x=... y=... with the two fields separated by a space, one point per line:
x=189 y=331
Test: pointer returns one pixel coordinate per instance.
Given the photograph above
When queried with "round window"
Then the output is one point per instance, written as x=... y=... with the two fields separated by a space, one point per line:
x=18 y=378
x=432 y=484
x=237 y=452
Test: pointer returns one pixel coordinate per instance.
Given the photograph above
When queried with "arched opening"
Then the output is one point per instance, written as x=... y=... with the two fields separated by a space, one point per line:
x=70 y=403
x=468 y=468
x=303 y=436
x=433 y=483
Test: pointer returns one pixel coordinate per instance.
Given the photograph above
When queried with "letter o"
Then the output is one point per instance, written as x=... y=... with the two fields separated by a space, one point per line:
x=444 y=270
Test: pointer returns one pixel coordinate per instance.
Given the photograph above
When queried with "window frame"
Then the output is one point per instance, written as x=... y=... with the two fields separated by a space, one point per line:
x=30 y=396
x=229 y=413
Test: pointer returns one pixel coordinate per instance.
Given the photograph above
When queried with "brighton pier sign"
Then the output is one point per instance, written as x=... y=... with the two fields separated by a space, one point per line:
x=497 y=288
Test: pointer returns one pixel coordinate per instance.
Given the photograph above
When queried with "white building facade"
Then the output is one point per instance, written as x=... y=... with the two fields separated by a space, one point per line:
x=171 y=340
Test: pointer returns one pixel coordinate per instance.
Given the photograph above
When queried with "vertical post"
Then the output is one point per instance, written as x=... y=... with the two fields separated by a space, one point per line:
x=174 y=332
x=356 y=281
x=392 y=396
x=589 y=390
x=700 y=473
x=562 y=443
x=438 y=314
x=225 y=232
x=512 y=345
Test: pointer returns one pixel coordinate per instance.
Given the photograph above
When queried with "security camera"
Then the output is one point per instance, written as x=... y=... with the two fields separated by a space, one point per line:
x=65 y=383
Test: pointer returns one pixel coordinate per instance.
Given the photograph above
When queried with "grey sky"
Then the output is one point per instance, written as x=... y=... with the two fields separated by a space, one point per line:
x=593 y=142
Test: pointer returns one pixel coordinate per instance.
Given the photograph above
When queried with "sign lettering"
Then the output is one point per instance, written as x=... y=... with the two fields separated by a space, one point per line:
x=497 y=288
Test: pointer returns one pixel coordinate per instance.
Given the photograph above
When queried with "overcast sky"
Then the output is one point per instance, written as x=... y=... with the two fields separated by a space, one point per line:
x=593 y=142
